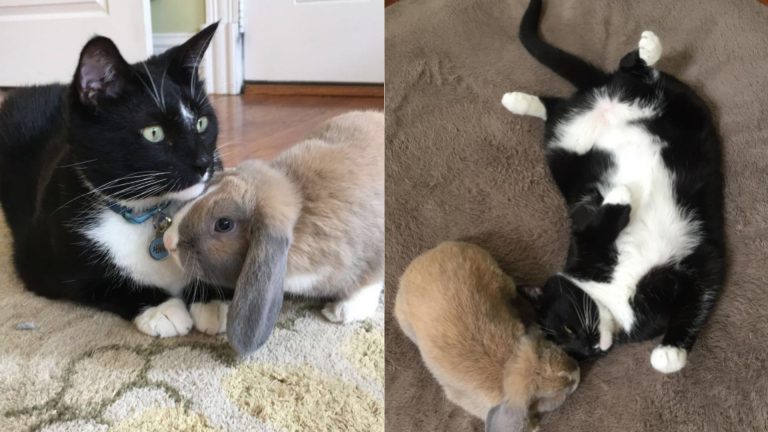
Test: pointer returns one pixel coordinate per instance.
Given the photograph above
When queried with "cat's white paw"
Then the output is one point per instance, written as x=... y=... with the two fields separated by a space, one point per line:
x=524 y=104
x=619 y=195
x=649 y=47
x=210 y=318
x=606 y=340
x=357 y=307
x=606 y=327
x=167 y=319
x=668 y=359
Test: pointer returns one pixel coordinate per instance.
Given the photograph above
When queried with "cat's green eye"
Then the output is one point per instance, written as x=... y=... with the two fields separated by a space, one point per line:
x=153 y=134
x=202 y=124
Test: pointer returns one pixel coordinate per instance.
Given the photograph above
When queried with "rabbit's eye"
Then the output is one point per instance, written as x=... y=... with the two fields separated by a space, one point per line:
x=224 y=225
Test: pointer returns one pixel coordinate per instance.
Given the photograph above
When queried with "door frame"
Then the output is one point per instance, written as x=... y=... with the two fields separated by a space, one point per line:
x=223 y=67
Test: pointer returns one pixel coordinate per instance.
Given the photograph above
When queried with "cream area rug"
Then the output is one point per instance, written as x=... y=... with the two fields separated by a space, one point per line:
x=81 y=370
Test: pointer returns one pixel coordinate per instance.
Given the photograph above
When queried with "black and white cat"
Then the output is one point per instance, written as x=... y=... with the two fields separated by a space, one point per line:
x=637 y=158
x=87 y=170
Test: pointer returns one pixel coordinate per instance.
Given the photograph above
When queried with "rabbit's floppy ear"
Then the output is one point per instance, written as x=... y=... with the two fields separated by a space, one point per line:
x=259 y=291
x=504 y=418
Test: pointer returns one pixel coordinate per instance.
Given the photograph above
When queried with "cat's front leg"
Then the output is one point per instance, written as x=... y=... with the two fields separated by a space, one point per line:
x=168 y=319
x=606 y=216
x=152 y=310
x=524 y=104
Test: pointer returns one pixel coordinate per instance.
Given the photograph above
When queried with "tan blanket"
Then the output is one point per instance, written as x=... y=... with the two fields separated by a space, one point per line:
x=459 y=166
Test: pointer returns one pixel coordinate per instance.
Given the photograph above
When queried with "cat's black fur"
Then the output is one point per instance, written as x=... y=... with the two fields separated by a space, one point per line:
x=59 y=142
x=674 y=299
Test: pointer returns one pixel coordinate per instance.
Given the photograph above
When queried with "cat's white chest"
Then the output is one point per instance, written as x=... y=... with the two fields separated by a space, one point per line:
x=659 y=231
x=608 y=116
x=127 y=246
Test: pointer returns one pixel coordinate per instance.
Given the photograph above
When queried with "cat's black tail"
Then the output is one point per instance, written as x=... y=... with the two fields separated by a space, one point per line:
x=580 y=73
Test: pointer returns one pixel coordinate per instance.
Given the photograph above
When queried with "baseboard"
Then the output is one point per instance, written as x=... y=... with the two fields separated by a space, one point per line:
x=313 y=89
x=163 y=41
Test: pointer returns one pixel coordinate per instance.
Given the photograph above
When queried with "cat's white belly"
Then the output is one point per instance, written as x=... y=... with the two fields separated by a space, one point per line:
x=127 y=246
x=659 y=231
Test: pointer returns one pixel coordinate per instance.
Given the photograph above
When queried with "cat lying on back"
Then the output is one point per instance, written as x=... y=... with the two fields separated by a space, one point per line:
x=89 y=170
x=642 y=140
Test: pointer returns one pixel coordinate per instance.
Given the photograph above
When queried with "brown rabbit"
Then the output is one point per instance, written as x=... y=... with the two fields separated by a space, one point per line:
x=309 y=223
x=475 y=335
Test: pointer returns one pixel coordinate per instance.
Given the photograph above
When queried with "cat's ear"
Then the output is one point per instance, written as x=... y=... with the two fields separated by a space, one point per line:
x=102 y=72
x=185 y=59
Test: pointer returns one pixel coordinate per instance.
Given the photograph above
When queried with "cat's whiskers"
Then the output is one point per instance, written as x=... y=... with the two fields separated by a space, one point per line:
x=135 y=177
x=93 y=190
x=585 y=310
x=225 y=145
x=577 y=310
x=146 y=86
x=77 y=163
x=149 y=190
x=573 y=303
x=593 y=321
x=162 y=84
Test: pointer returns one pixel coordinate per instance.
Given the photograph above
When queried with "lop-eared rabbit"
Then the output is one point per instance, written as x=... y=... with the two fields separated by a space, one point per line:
x=310 y=223
x=475 y=334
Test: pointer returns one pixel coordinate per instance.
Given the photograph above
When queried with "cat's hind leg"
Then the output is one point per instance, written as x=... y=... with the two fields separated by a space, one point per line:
x=649 y=48
x=640 y=62
x=524 y=104
x=696 y=294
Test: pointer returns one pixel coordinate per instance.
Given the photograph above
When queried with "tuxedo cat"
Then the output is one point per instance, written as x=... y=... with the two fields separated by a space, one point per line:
x=90 y=171
x=637 y=158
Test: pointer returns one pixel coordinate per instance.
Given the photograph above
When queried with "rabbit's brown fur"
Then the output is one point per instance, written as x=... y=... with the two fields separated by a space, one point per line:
x=328 y=191
x=323 y=200
x=474 y=333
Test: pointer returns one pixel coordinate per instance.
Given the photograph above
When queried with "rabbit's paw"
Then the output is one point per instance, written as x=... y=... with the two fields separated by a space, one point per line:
x=359 y=306
x=210 y=318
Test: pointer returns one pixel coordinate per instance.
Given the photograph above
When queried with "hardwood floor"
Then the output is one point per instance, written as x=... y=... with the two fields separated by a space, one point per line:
x=261 y=126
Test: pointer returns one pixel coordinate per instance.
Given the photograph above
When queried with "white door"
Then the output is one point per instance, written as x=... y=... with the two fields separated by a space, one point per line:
x=314 y=40
x=40 y=40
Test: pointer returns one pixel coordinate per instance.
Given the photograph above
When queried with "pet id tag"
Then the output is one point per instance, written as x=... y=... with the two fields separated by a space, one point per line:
x=157 y=250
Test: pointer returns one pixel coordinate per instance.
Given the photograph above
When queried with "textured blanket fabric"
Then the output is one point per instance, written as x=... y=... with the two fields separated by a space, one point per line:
x=80 y=370
x=459 y=166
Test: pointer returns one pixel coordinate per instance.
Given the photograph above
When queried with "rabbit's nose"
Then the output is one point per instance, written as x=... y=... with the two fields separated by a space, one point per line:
x=170 y=241
x=576 y=376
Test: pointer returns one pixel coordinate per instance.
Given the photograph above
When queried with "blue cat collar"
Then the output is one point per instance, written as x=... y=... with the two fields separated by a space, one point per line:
x=140 y=218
